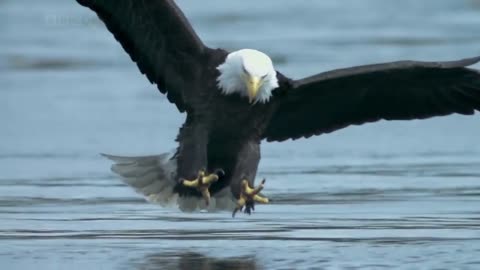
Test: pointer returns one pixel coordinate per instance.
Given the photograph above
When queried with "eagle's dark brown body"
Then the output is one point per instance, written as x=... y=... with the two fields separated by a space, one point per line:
x=225 y=134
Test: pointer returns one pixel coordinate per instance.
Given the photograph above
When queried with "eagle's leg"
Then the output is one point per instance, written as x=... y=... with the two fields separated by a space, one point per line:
x=249 y=196
x=203 y=182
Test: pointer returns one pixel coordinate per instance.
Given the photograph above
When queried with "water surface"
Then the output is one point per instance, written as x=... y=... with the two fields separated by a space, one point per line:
x=380 y=196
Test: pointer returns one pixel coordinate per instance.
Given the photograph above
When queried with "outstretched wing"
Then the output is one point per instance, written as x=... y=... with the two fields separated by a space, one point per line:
x=392 y=91
x=158 y=37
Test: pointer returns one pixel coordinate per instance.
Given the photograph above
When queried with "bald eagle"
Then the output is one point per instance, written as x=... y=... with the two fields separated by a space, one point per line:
x=235 y=100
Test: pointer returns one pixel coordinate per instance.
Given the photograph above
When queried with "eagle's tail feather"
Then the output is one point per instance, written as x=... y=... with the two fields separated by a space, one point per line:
x=152 y=176
x=155 y=178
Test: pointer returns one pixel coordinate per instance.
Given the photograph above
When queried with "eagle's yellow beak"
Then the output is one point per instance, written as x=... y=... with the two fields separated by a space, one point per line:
x=253 y=84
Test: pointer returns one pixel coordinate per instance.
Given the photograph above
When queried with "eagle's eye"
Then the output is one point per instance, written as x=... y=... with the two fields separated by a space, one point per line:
x=244 y=70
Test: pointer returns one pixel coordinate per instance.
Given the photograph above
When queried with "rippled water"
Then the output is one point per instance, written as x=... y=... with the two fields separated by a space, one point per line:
x=384 y=195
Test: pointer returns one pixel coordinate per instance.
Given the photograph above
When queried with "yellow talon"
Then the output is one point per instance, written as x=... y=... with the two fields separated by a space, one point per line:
x=202 y=183
x=249 y=195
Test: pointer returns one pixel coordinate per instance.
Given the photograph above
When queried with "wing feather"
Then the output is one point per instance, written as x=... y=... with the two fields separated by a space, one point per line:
x=158 y=37
x=401 y=90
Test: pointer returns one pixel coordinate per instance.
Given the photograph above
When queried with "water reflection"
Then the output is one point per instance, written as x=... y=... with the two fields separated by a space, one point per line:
x=192 y=261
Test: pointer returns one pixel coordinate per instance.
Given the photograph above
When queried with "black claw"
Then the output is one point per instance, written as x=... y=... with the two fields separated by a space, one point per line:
x=220 y=172
x=236 y=210
x=249 y=207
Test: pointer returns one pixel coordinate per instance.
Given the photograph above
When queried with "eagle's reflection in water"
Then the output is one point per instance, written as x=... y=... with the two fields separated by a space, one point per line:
x=193 y=261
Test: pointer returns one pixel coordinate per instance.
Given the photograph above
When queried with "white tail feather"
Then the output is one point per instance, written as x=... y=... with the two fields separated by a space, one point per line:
x=154 y=177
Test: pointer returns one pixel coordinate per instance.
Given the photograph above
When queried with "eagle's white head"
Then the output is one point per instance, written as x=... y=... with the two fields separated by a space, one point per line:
x=249 y=73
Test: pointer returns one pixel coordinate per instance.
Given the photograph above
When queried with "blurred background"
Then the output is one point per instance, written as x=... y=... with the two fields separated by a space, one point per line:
x=382 y=195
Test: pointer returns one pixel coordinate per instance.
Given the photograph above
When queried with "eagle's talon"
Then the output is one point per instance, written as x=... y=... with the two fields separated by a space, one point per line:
x=248 y=197
x=219 y=172
x=202 y=183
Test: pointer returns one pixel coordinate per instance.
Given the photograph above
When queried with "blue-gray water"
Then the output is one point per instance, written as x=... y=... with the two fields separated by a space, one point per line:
x=385 y=195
